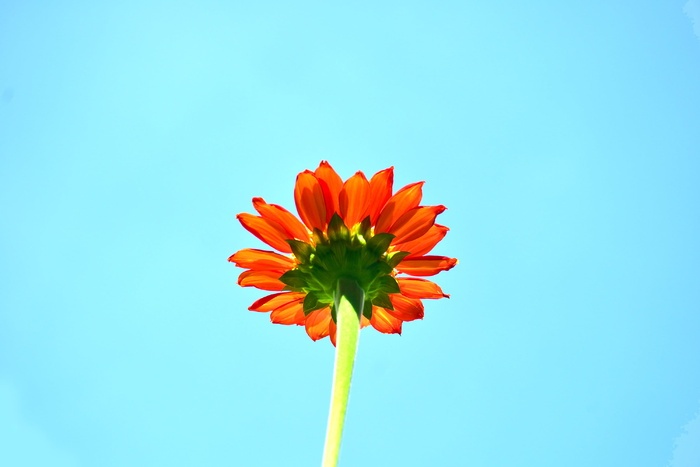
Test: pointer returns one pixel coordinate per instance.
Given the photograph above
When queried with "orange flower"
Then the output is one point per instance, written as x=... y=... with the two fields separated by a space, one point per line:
x=354 y=229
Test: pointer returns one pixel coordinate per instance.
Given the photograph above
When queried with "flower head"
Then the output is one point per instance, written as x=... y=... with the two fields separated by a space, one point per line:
x=356 y=229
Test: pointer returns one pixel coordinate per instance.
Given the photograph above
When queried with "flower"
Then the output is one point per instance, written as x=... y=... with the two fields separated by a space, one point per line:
x=356 y=229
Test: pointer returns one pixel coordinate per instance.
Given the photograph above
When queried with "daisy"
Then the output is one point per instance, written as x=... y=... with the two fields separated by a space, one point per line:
x=356 y=229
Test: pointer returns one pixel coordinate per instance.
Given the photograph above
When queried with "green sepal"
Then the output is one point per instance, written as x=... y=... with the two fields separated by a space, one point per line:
x=318 y=237
x=365 y=228
x=323 y=258
x=339 y=250
x=380 y=243
x=318 y=282
x=301 y=250
x=378 y=269
x=337 y=230
x=366 y=258
x=386 y=284
x=395 y=257
x=382 y=300
x=312 y=303
x=367 y=309
x=294 y=279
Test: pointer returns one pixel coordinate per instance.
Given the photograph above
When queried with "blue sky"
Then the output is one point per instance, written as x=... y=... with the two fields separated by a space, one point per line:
x=563 y=138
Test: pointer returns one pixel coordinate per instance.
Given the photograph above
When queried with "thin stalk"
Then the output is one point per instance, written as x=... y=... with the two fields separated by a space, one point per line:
x=349 y=300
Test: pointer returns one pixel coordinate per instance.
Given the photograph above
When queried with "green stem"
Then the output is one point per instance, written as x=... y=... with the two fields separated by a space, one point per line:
x=349 y=300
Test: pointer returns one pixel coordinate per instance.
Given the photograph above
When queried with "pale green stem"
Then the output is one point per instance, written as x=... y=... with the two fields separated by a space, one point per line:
x=349 y=300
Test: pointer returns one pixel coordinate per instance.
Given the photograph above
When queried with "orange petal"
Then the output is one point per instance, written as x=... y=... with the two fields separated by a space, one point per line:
x=406 y=198
x=380 y=187
x=384 y=322
x=354 y=199
x=265 y=280
x=291 y=313
x=406 y=309
x=276 y=300
x=317 y=323
x=331 y=183
x=425 y=243
x=250 y=258
x=331 y=331
x=268 y=231
x=364 y=322
x=311 y=204
x=288 y=221
x=413 y=287
x=426 y=265
x=415 y=223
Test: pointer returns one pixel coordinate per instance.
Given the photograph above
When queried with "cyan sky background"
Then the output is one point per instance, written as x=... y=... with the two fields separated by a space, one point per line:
x=563 y=137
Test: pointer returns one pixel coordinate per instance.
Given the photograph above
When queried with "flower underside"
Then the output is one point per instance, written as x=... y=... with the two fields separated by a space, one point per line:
x=341 y=252
x=357 y=229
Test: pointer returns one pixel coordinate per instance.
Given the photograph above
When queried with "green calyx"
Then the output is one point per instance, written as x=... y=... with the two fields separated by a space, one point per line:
x=342 y=253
